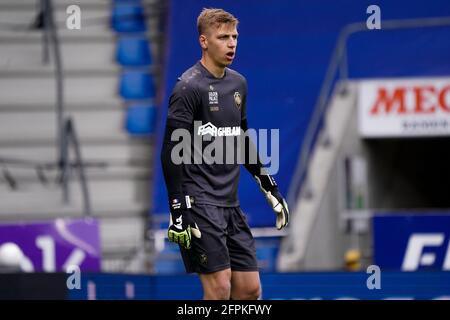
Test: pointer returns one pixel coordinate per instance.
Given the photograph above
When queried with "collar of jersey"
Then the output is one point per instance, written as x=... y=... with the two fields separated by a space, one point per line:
x=208 y=74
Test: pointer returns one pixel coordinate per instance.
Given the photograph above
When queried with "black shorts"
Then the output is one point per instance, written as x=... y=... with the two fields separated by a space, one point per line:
x=226 y=241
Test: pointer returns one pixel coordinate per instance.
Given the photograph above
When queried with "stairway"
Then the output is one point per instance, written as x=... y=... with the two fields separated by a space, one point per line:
x=320 y=189
x=119 y=177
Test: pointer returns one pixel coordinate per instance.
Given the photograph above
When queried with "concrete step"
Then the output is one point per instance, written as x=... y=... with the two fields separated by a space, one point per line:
x=70 y=107
x=104 y=171
x=84 y=140
x=59 y=4
x=35 y=37
x=41 y=90
x=109 y=198
x=62 y=4
x=133 y=152
x=122 y=234
x=85 y=35
x=41 y=126
x=57 y=210
x=75 y=56
x=37 y=71
x=320 y=168
x=96 y=19
x=95 y=24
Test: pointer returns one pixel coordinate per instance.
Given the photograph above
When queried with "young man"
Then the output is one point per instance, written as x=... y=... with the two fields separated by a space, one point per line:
x=206 y=220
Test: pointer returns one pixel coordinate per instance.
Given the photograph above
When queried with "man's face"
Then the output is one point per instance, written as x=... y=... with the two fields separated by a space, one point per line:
x=221 y=44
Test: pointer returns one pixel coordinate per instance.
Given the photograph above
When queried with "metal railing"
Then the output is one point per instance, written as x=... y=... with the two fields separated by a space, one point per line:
x=338 y=69
x=66 y=132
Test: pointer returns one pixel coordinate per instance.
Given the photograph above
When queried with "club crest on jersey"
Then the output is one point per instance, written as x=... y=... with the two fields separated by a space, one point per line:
x=237 y=99
x=203 y=259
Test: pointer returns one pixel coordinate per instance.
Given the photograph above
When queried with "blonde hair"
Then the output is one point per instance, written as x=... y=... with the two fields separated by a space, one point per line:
x=214 y=18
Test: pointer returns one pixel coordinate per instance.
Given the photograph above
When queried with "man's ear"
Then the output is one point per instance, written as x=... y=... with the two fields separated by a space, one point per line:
x=203 y=42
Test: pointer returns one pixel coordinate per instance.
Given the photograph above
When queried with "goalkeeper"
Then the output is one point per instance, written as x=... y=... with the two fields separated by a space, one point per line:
x=205 y=218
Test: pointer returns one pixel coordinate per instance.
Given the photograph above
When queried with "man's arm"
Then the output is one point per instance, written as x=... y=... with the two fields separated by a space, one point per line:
x=173 y=173
x=180 y=116
x=265 y=181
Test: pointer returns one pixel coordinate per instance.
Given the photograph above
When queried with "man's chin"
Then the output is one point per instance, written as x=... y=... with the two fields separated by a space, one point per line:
x=227 y=63
x=224 y=63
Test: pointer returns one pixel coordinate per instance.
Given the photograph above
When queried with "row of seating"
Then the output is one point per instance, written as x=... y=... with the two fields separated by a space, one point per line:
x=133 y=54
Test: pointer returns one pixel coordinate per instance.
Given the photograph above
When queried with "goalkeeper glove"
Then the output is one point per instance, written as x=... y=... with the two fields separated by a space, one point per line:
x=270 y=189
x=182 y=227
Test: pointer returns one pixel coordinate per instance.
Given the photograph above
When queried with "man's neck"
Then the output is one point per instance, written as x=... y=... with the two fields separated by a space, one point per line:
x=215 y=70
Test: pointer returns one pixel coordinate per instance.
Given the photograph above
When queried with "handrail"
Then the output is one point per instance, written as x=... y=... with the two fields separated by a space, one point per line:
x=70 y=135
x=65 y=128
x=66 y=133
x=40 y=22
x=52 y=37
x=338 y=62
x=40 y=167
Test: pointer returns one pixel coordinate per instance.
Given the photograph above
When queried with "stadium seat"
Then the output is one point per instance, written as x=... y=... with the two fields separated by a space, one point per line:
x=140 y=119
x=133 y=51
x=128 y=17
x=135 y=85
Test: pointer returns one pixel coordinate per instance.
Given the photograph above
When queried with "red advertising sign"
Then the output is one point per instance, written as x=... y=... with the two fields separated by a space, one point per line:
x=404 y=107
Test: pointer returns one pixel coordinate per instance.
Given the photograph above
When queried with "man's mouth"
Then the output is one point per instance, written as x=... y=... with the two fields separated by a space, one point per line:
x=230 y=55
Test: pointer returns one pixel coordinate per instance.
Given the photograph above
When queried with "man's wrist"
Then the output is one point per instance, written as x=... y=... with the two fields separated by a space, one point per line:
x=180 y=201
x=267 y=182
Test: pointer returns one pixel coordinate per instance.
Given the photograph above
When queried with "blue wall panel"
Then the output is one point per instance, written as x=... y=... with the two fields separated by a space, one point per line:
x=284 y=49
x=313 y=285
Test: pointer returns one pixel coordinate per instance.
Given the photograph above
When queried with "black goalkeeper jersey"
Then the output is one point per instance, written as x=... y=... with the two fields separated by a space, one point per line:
x=213 y=108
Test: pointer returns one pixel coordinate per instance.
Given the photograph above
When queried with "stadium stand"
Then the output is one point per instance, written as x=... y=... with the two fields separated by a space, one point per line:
x=114 y=132
x=356 y=200
x=295 y=60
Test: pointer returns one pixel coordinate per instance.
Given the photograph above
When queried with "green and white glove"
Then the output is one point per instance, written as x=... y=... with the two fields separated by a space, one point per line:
x=270 y=189
x=182 y=226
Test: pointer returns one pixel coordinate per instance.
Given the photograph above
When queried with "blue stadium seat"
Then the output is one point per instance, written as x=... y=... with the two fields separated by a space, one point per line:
x=128 y=17
x=133 y=51
x=135 y=85
x=140 y=119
